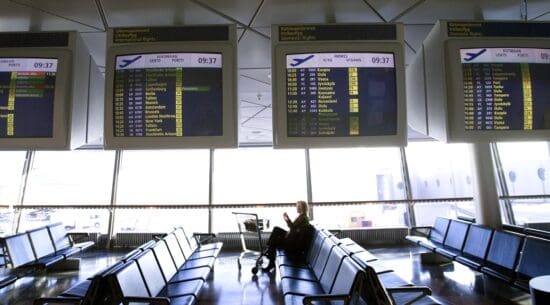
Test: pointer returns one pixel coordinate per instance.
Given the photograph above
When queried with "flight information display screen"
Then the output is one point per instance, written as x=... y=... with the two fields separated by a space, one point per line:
x=168 y=95
x=506 y=88
x=27 y=93
x=341 y=94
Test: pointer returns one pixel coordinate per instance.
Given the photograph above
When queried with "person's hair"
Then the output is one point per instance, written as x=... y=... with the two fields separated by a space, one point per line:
x=303 y=205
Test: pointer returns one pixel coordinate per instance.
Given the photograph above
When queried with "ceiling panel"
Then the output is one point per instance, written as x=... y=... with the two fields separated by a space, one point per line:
x=80 y=11
x=415 y=34
x=96 y=43
x=254 y=51
x=314 y=11
x=429 y=11
x=389 y=9
x=158 y=12
x=20 y=17
x=241 y=10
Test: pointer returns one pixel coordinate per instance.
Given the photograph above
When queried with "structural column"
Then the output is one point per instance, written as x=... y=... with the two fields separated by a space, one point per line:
x=485 y=189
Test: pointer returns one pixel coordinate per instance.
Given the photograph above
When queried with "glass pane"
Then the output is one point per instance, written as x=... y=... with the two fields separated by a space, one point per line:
x=360 y=216
x=160 y=220
x=438 y=170
x=259 y=175
x=532 y=213
x=223 y=220
x=11 y=163
x=426 y=212
x=6 y=222
x=526 y=167
x=70 y=177
x=357 y=174
x=77 y=220
x=164 y=177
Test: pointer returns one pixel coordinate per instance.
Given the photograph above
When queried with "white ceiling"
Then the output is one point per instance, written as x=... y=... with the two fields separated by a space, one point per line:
x=254 y=18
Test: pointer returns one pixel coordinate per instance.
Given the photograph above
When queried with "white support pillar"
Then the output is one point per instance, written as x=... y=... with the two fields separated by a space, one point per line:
x=485 y=189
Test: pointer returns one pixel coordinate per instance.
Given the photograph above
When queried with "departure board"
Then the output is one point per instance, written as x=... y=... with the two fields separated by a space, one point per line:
x=27 y=93
x=168 y=95
x=341 y=94
x=506 y=88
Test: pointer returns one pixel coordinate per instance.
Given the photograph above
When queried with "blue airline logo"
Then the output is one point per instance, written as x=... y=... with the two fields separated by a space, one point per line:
x=299 y=61
x=472 y=56
x=127 y=62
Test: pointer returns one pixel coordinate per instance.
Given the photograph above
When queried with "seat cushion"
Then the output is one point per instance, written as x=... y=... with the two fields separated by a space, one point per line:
x=499 y=272
x=297 y=273
x=197 y=263
x=78 y=290
x=448 y=252
x=294 y=299
x=472 y=262
x=391 y=279
x=184 y=300
x=190 y=274
x=49 y=260
x=206 y=253
x=191 y=287
x=300 y=287
x=430 y=245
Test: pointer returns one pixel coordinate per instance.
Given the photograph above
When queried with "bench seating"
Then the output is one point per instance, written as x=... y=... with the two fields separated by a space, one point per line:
x=436 y=234
x=503 y=254
x=330 y=272
x=533 y=261
x=170 y=272
x=41 y=247
x=167 y=273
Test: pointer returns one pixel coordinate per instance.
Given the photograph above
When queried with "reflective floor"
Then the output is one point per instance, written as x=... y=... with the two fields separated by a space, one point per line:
x=451 y=283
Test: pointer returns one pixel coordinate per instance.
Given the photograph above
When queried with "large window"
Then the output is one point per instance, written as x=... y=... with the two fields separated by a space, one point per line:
x=11 y=165
x=259 y=175
x=164 y=177
x=361 y=216
x=70 y=178
x=438 y=170
x=356 y=174
x=340 y=175
x=78 y=220
x=526 y=171
x=160 y=220
x=526 y=167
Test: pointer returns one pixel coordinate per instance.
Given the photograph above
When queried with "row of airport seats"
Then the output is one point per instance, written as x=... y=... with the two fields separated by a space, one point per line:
x=37 y=249
x=335 y=270
x=526 y=231
x=169 y=270
x=509 y=256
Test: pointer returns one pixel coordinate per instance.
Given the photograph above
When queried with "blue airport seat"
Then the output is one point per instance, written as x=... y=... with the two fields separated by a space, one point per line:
x=476 y=246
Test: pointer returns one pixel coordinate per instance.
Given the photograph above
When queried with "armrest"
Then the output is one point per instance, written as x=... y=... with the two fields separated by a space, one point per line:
x=64 y=300
x=336 y=232
x=423 y=290
x=148 y=300
x=76 y=237
x=203 y=237
x=424 y=231
x=158 y=237
x=309 y=299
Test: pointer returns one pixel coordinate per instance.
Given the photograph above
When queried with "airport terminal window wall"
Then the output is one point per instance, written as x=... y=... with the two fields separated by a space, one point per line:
x=352 y=176
x=68 y=178
x=11 y=165
x=526 y=183
x=156 y=190
x=440 y=171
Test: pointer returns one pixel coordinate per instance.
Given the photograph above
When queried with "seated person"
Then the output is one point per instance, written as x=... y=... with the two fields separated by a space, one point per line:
x=291 y=241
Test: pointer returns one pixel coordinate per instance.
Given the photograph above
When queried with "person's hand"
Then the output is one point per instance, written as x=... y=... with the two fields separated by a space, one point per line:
x=285 y=216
